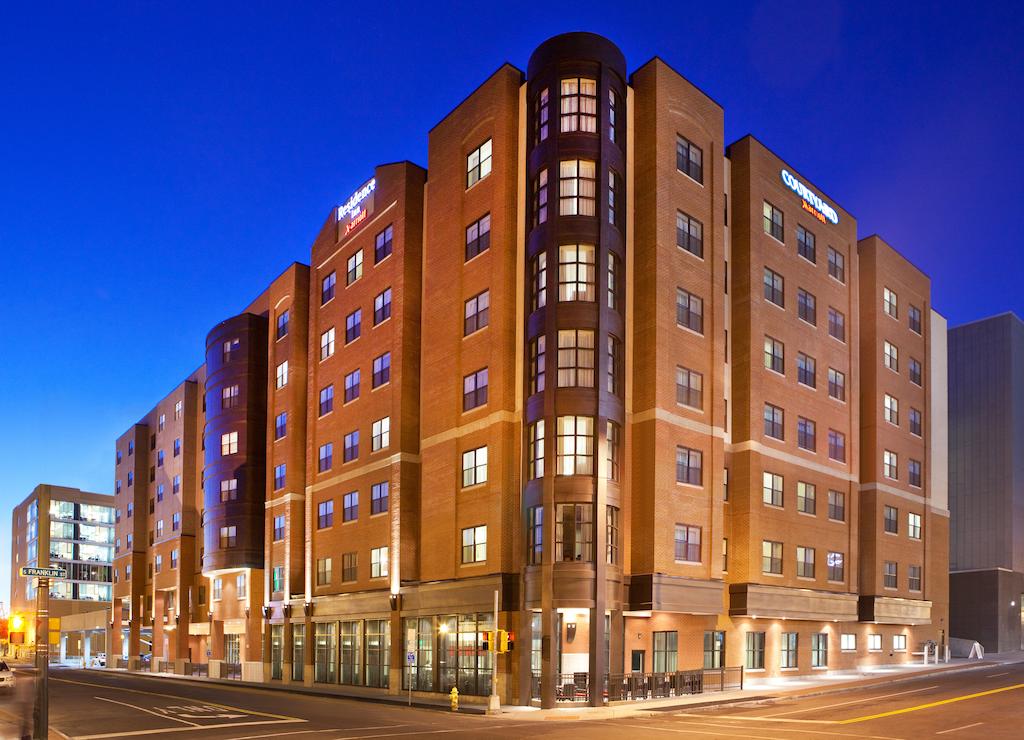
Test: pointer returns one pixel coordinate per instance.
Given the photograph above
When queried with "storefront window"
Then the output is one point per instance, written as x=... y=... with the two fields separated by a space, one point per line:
x=276 y=651
x=378 y=647
x=350 y=653
x=298 y=651
x=325 y=655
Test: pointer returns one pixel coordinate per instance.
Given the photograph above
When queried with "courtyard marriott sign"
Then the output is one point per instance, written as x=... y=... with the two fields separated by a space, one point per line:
x=812 y=203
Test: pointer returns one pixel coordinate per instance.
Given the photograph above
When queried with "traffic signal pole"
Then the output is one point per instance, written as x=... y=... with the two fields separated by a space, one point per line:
x=493 y=702
x=40 y=729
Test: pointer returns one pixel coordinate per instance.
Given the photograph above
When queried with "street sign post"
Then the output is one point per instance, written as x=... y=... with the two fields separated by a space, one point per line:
x=40 y=731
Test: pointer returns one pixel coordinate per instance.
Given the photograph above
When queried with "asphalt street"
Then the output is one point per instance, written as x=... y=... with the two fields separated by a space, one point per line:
x=987 y=702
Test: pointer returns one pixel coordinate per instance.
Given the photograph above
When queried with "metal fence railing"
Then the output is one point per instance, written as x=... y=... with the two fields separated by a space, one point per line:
x=165 y=666
x=231 y=670
x=575 y=687
x=122 y=663
x=197 y=669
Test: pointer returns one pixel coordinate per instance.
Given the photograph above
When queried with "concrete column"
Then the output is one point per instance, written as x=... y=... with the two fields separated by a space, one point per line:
x=217 y=639
x=87 y=648
x=159 y=611
x=307 y=669
x=286 y=652
x=267 y=650
x=617 y=656
x=396 y=665
x=63 y=648
x=548 y=658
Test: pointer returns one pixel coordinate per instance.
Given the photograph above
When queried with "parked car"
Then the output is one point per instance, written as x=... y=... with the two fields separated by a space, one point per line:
x=6 y=677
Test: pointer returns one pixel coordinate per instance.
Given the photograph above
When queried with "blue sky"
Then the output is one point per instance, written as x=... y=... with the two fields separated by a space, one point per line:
x=161 y=162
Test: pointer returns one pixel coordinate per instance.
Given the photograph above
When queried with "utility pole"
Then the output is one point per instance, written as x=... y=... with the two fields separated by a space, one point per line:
x=41 y=730
x=493 y=702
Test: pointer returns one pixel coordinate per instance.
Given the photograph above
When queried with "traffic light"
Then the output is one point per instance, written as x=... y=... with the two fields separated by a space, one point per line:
x=487 y=641
x=506 y=641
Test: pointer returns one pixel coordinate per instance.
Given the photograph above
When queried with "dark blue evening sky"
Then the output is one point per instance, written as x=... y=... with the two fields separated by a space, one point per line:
x=160 y=163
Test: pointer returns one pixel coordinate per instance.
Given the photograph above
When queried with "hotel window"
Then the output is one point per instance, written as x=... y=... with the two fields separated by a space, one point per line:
x=535 y=453
x=773 y=221
x=574 y=533
x=131 y=443
x=229 y=489
x=325 y=514
x=325 y=457
x=874 y=643
x=836 y=568
x=576 y=272
x=614 y=438
x=577 y=187
x=819 y=650
x=615 y=199
x=666 y=651
x=687 y=542
x=613 y=116
x=383 y=244
x=892 y=409
x=914 y=473
x=160 y=458
x=176 y=447
x=478 y=164
x=774 y=355
x=805 y=244
x=540 y=197
x=353 y=325
x=537 y=364
x=281 y=375
x=689 y=466
x=774 y=288
x=889 y=303
x=542 y=113
x=176 y=484
x=381 y=370
x=231 y=347
x=579 y=105
x=899 y=643
x=379 y=493
x=474 y=390
x=690 y=159
x=177 y=409
x=350 y=506
x=689 y=234
x=474 y=544
x=689 y=311
x=914 y=577
x=614 y=372
x=378 y=562
x=714 y=649
x=282 y=325
x=891 y=518
x=837 y=265
x=771 y=557
x=806 y=497
x=380 y=434
x=382 y=306
x=836 y=384
x=689 y=388
x=158 y=563
x=575 y=449
x=117 y=487
x=836 y=446
x=913 y=525
x=280 y=475
x=326 y=400
x=915 y=371
x=228 y=537
x=229 y=443
x=327 y=344
x=351 y=449
x=891 y=357
x=476 y=313
x=774 y=422
x=278 y=530
x=161 y=422
x=535 y=535
x=474 y=467
x=539 y=281
x=327 y=288
x=612 y=544
x=174 y=560
x=806 y=436
x=836 y=324
x=890 y=574
x=277 y=579
x=323 y=571
x=754 y=653
x=890 y=465
x=478 y=236
x=354 y=267
x=806 y=306
x=804 y=562
x=160 y=528
x=575 y=358
x=351 y=386
x=788 y=654
x=281 y=425
x=771 y=488
x=240 y=585
x=837 y=506
x=725 y=555
x=915 y=422
x=614 y=282
x=914 y=317
x=806 y=370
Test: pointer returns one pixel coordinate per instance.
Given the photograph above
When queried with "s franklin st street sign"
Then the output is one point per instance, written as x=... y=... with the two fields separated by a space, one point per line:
x=44 y=572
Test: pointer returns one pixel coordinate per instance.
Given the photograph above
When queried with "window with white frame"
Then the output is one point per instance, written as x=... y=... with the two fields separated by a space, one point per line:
x=282 y=375
x=577 y=187
x=229 y=443
x=890 y=465
x=889 y=303
x=379 y=562
x=913 y=525
x=474 y=544
x=899 y=643
x=892 y=410
x=474 y=466
x=478 y=164
x=354 y=267
x=874 y=642
x=771 y=488
x=891 y=356
x=575 y=446
x=848 y=642
x=381 y=434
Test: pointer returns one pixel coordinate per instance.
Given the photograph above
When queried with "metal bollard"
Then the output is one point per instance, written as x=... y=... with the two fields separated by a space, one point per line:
x=454 y=697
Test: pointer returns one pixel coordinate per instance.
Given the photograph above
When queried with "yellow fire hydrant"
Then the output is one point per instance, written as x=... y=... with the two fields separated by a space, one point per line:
x=454 y=696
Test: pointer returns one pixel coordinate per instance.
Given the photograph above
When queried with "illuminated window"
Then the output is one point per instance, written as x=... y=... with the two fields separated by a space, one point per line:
x=576 y=272
x=615 y=199
x=281 y=379
x=577 y=190
x=613 y=435
x=771 y=488
x=819 y=650
x=575 y=358
x=788 y=655
x=892 y=409
x=806 y=497
x=539 y=281
x=323 y=572
x=380 y=436
x=379 y=562
x=228 y=537
x=478 y=164
x=774 y=355
x=231 y=348
x=771 y=557
x=354 y=267
x=890 y=465
x=540 y=197
x=327 y=344
x=836 y=567
x=474 y=544
x=891 y=356
x=804 y=562
x=474 y=467
x=889 y=303
x=575 y=448
x=773 y=221
x=913 y=525
x=579 y=105
x=229 y=443
x=535 y=454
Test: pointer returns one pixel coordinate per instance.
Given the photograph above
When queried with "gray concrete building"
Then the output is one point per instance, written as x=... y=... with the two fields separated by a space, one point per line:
x=986 y=481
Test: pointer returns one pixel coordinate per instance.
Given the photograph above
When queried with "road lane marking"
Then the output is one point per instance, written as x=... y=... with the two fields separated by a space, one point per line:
x=197 y=728
x=695 y=732
x=305 y=732
x=179 y=696
x=854 y=701
x=148 y=711
x=930 y=704
x=744 y=718
x=439 y=732
x=997 y=675
x=831 y=733
x=955 y=729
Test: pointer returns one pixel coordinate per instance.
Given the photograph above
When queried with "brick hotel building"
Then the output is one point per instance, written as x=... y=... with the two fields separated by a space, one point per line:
x=653 y=390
